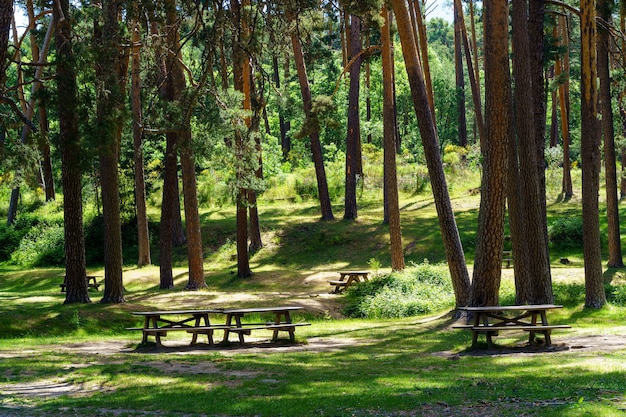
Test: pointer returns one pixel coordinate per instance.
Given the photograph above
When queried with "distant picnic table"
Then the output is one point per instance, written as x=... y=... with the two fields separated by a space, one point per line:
x=489 y=320
x=92 y=283
x=197 y=322
x=347 y=279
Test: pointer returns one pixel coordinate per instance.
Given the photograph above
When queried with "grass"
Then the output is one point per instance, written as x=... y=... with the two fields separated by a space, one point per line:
x=78 y=360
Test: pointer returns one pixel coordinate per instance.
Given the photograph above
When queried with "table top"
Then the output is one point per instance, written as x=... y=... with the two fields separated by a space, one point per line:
x=529 y=307
x=260 y=309
x=354 y=272
x=174 y=312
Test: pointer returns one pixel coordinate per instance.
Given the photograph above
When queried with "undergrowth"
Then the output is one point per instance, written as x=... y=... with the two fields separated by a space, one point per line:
x=419 y=289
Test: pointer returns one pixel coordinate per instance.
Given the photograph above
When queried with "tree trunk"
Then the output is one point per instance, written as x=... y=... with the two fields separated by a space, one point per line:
x=241 y=75
x=561 y=67
x=591 y=158
x=389 y=134
x=110 y=104
x=480 y=121
x=460 y=79
x=536 y=274
x=69 y=139
x=430 y=141
x=490 y=236
x=143 y=236
x=6 y=16
x=316 y=146
x=353 y=139
x=169 y=204
x=608 y=132
x=423 y=47
x=536 y=15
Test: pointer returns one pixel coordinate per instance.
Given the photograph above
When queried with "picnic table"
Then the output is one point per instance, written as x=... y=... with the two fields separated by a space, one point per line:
x=158 y=323
x=281 y=322
x=92 y=282
x=489 y=320
x=346 y=279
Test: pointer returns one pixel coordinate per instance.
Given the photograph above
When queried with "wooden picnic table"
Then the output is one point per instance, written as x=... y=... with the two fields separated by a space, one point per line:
x=489 y=320
x=158 y=323
x=348 y=278
x=92 y=282
x=281 y=322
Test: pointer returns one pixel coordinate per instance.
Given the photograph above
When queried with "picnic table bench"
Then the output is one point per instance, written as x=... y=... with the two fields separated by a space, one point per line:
x=346 y=279
x=489 y=320
x=281 y=322
x=92 y=282
x=158 y=323
x=196 y=322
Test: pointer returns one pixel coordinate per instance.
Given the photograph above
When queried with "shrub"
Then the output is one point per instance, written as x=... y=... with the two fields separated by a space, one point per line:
x=617 y=294
x=420 y=289
x=566 y=232
x=42 y=246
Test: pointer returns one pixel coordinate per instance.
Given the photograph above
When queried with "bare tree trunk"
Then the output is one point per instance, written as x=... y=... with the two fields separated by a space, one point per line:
x=316 y=146
x=353 y=139
x=110 y=72
x=169 y=204
x=561 y=67
x=534 y=283
x=490 y=237
x=389 y=133
x=447 y=222
x=460 y=78
x=608 y=133
x=143 y=237
x=423 y=47
x=591 y=158
x=75 y=269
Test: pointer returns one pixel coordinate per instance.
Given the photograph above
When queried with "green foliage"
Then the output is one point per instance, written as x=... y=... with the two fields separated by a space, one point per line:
x=566 y=232
x=420 y=289
x=41 y=246
x=616 y=294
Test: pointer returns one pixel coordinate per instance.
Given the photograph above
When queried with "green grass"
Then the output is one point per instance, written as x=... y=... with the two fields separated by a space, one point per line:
x=338 y=367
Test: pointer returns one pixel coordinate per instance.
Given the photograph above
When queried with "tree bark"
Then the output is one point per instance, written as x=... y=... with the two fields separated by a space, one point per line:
x=536 y=273
x=389 y=134
x=430 y=141
x=110 y=72
x=591 y=158
x=608 y=133
x=71 y=175
x=353 y=139
x=561 y=67
x=460 y=79
x=490 y=236
x=143 y=236
x=314 y=135
x=6 y=16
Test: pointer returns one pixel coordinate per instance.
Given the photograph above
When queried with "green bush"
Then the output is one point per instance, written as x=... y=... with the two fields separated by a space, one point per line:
x=42 y=246
x=419 y=289
x=617 y=294
x=566 y=232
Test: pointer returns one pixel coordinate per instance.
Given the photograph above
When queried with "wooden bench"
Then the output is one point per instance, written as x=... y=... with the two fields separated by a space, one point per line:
x=282 y=322
x=346 y=279
x=489 y=320
x=92 y=283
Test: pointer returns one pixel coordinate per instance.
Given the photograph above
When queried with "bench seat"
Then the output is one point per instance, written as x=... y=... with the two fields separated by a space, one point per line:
x=529 y=328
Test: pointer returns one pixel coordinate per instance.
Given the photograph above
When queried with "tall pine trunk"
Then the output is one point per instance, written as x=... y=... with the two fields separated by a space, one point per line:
x=591 y=158
x=608 y=133
x=490 y=237
x=389 y=134
x=353 y=139
x=69 y=139
x=430 y=141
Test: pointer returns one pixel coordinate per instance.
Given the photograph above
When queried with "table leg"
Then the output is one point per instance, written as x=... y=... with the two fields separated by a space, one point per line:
x=546 y=332
x=146 y=324
x=157 y=335
x=229 y=320
x=533 y=321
